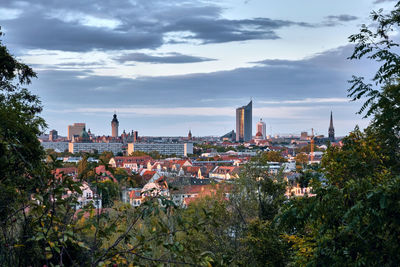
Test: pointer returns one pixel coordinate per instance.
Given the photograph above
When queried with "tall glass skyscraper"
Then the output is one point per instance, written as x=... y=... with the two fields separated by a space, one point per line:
x=244 y=123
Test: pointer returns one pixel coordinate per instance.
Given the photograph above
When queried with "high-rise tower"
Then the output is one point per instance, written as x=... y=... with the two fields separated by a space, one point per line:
x=262 y=128
x=331 y=131
x=244 y=123
x=114 y=126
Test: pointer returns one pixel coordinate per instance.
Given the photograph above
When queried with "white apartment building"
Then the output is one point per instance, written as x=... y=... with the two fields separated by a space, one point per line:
x=90 y=147
x=57 y=146
x=179 y=149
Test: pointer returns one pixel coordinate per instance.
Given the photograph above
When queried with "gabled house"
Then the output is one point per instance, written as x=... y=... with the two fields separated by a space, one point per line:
x=132 y=163
x=225 y=172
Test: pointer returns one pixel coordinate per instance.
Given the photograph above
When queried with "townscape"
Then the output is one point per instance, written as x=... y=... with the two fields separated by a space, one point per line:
x=192 y=164
x=164 y=180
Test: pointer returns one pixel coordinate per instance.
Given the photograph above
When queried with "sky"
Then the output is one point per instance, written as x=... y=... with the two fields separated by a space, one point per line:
x=169 y=66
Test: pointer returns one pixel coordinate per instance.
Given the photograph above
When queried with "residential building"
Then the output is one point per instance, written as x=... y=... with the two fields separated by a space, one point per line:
x=57 y=146
x=91 y=147
x=88 y=197
x=132 y=163
x=244 y=123
x=135 y=197
x=188 y=193
x=179 y=149
x=225 y=172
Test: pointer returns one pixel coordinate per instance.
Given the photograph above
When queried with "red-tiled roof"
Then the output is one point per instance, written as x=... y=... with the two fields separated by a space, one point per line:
x=120 y=161
x=101 y=170
x=147 y=175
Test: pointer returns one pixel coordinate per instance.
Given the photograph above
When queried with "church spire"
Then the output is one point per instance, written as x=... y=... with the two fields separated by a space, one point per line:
x=331 y=130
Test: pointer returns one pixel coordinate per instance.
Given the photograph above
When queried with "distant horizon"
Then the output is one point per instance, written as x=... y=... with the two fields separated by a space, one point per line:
x=167 y=67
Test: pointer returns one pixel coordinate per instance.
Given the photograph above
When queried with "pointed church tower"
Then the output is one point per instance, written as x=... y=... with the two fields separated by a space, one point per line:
x=331 y=131
x=190 y=135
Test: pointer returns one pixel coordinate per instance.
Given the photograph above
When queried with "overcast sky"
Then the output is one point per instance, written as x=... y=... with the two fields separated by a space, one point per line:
x=170 y=66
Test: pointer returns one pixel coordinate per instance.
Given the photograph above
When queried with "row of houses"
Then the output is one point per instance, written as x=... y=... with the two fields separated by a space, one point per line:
x=193 y=179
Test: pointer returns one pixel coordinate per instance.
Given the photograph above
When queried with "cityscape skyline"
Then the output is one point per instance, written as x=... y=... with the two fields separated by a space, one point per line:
x=242 y=114
x=171 y=75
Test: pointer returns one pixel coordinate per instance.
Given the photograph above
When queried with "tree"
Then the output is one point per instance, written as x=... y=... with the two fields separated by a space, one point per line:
x=106 y=156
x=302 y=159
x=155 y=155
x=39 y=223
x=382 y=97
x=353 y=218
x=109 y=192
x=273 y=156
x=21 y=165
x=348 y=220
x=138 y=154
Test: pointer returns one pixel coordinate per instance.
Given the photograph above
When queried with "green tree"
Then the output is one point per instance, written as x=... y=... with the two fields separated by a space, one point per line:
x=138 y=154
x=109 y=192
x=274 y=156
x=383 y=95
x=353 y=218
x=21 y=165
x=106 y=156
x=301 y=159
x=39 y=222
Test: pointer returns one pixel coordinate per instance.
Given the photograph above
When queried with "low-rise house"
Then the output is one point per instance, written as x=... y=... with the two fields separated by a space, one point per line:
x=225 y=172
x=104 y=174
x=132 y=163
x=297 y=191
x=157 y=186
x=88 y=197
x=192 y=171
x=69 y=171
x=186 y=194
x=135 y=197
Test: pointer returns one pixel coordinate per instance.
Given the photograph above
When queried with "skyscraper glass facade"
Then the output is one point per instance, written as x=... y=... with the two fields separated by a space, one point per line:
x=244 y=123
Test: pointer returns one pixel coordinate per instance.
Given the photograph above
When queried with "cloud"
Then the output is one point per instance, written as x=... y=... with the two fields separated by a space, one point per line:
x=383 y=1
x=212 y=30
x=328 y=100
x=289 y=93
x=53 y=34
x=81 y=64
x=334 y=20
x=170 y=58
x=321 y=78
x=129 y=25
x=285 y=112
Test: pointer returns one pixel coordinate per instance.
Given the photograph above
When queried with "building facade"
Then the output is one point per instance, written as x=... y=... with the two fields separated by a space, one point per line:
x=179 y=149
x=53 y=135
x=75 y=129
x=91 y=147
x=262 y=128
x=57 y=146
x=244 y=123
